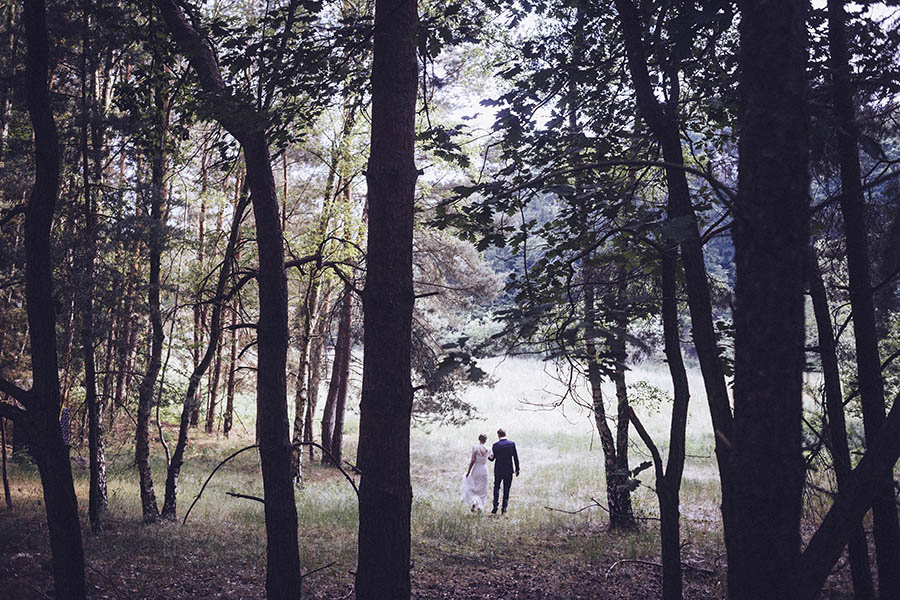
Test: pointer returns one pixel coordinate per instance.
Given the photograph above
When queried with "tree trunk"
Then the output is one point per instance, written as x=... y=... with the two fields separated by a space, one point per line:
x=6 y=494
x=315 y=370
x=886 y=526
x=667 y=489
x=857 y=546
x=283 y=579
x=306 y=314
x=214 y=389
x=192 y=398
x=327 y=423
x=345 y=346
x=771 y=237
x=98 y=501
x=662 y=121
x=43 y=403
x=228 y=415
x=620 y=356
x=385 y=492
x=199 y=308
x=149 y=508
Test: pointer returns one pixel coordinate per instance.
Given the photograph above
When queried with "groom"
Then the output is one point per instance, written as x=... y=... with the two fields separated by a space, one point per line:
x=504 y=452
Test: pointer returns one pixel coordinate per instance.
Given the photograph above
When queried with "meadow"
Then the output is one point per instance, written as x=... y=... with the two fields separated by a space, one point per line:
x=545 y=547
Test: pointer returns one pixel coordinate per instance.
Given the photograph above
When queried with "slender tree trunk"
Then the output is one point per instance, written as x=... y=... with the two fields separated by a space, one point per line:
x=385 y=493
x=668 y=487
x=199 y=308
x=228 y=415
x=98 y=502
x=857 y=546
x=771 y=238
x=43 y=403
x=345 y=346
x=662 y=121
x=147 y=386
x=315 y=370
x=6 y=494
x=619 y=516
x=886 y=526
x=306 y=313
x=192 y=398
x=328 y=411
x=620 y=356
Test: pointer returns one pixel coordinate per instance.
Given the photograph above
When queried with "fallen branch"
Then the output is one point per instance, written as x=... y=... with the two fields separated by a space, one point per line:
x=316 y=570
x=205 y=483
x=656 y=564
x=296 y=445
x=598 y=505
x=245 y=496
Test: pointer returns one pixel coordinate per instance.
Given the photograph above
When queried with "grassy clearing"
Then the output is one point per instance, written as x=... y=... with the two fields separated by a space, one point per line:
x=221 y=550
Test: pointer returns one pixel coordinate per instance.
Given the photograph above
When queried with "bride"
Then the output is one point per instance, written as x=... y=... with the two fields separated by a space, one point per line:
x=475 y=485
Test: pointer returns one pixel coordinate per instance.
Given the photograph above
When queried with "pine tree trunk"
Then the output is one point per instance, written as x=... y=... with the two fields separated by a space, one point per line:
x=6 y=494
x=192 y=398
x=306 y=313
x=857 y=546
x=98 y=502
x=328 y=411
x=147 y=387
x=228 y=415
x=886 y=526
x=43 y=404
x=385 y=492
x=316 y=352
x=662 y=121
x=771 y=238
x=668 y=487
x=345 y=346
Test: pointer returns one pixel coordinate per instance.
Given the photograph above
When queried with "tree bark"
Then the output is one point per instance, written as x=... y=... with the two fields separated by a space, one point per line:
x=283 y=579
x=344 y=347
x=857 y=545
x=886 y=526
x=43 y=401
x=771 y=237
x=385 y=492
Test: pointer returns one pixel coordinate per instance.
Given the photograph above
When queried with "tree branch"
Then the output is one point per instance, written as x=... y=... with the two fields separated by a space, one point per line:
x=14 y=391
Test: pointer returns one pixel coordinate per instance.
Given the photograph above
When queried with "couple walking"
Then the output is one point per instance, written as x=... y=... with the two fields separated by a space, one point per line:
x=475 y=485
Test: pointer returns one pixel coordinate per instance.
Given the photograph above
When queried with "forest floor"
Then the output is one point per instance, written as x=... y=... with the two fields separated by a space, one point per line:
x=544 y=548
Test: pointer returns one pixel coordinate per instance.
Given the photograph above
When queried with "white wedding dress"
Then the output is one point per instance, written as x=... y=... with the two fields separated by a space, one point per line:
x=475 y=486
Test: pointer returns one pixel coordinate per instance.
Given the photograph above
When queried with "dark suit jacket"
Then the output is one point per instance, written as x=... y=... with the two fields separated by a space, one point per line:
x=504 y=454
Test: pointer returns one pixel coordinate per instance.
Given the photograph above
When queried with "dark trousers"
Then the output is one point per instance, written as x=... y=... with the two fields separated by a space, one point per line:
x=506 y=479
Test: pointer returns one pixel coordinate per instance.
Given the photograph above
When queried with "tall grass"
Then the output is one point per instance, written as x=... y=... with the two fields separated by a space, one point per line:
x=561 y=469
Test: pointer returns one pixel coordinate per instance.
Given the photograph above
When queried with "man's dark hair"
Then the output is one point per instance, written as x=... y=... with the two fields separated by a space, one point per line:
x=501 y=433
